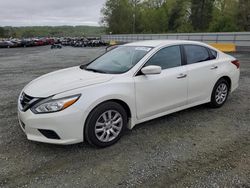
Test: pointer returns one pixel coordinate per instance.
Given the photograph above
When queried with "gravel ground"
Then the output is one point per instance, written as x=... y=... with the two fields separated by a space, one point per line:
x=198 y=147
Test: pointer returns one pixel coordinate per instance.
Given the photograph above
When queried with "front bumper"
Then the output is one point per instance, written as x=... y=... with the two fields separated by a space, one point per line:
x=67 y=124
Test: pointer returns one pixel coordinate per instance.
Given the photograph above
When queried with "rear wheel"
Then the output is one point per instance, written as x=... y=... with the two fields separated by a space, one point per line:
x=220 y=93
x=105 y=124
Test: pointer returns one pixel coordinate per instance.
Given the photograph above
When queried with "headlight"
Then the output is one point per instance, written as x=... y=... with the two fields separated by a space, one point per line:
x=54 y=105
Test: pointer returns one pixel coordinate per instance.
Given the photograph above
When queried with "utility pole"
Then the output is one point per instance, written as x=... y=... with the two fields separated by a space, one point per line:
x=134 y=13
x=133 y=23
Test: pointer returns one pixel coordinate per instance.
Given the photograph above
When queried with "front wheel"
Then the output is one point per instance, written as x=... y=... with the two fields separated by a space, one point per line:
x=220 y=93
x=105 y=124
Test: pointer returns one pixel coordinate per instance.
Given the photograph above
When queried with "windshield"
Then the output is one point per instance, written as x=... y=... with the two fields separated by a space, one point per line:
x=118 y=60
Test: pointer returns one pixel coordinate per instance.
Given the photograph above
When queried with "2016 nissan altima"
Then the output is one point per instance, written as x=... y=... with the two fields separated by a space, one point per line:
x=130 y=84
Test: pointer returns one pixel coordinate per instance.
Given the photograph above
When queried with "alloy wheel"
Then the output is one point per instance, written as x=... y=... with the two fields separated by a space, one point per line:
x=108 y=126
x=221 y=93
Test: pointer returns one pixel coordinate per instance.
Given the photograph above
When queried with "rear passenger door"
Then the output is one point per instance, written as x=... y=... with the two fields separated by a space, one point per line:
x=202 y=70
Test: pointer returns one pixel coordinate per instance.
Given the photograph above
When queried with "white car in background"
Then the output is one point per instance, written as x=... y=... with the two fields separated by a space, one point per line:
x=130 y=84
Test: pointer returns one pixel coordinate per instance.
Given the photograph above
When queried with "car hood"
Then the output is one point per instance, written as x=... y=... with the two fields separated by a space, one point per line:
x=64 y=80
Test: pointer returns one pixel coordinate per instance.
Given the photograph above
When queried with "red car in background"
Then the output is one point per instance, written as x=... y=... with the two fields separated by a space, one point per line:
x=39 y=42
x=50 y=41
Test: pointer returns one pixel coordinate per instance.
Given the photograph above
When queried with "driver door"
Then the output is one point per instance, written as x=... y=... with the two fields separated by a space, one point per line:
x=156 y=94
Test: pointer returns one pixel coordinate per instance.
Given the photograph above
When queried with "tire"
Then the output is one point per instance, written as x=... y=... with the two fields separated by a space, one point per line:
x=102 y=133
x=220 y=93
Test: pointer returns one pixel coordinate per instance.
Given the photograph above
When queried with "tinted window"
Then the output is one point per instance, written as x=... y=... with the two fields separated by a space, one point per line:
x=196 y=54
x=166 y=58
x=213 y=53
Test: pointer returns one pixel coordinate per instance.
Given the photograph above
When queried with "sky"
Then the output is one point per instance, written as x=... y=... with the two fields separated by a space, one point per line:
x=50 y=12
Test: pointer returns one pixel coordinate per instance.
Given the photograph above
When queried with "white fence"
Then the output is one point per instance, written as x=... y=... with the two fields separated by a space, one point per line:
x=238 y=38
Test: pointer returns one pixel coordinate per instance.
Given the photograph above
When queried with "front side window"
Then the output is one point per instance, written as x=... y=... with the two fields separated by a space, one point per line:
x=168 y=57
x=118 y=60
x=196 y=54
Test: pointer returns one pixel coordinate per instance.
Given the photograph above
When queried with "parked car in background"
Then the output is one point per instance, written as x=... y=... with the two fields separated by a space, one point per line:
x=49 y=41
x=16 y=42
x=56 y=46
x=130 y=84
x=69 y=41
x=83 y=42
x=39 y=42
x=27 y=43
x=6 y=44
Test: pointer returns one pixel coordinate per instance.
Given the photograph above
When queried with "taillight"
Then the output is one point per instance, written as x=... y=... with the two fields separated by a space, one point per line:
x=236 y=63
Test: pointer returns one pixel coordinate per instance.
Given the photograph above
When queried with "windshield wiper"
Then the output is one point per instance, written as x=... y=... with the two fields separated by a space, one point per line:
x=94 y=70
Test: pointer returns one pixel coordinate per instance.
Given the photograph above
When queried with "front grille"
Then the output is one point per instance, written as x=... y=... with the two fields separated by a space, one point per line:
x=27 y=101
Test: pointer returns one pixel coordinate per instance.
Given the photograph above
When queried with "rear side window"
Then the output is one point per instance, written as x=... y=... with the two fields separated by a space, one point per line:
x=168 y=57
x=196 y=54
x=213 y=54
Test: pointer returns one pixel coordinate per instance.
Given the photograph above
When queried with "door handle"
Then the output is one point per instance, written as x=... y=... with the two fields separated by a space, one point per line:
x=214 y=67
x=181 y=76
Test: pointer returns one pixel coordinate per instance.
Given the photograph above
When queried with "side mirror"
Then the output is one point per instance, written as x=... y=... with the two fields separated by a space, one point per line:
x=151 y=69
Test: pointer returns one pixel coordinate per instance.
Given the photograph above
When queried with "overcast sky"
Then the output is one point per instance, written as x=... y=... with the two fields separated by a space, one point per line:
x=50 y=12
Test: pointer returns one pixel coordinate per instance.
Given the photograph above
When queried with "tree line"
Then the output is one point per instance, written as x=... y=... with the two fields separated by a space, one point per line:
x=47 y=31
x=162 y=16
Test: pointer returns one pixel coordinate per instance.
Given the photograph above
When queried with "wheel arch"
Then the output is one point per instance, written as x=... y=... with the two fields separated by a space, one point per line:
x=212 y=103
x=228 y=79
x=124 y=104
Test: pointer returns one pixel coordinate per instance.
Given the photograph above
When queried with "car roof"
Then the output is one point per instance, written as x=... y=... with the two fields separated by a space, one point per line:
x=158 y=43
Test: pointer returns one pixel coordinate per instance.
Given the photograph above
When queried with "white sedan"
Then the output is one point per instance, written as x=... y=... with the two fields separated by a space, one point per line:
x=130 y=84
